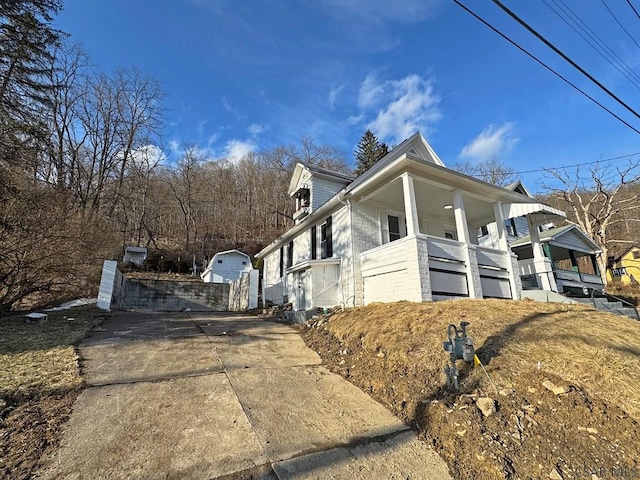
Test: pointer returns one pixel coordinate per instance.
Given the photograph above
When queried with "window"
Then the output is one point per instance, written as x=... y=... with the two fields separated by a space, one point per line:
x=450 y=234
x=244 y=263
x=326 y=240
x=219 y=261
x=482 y=231
x=636 y=254
x=281 y=262
x=290 y=254
x=510 y=225
x=314 y=242
x=394 y=228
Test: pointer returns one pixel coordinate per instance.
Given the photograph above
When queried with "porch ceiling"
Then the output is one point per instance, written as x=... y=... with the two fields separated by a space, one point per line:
x=431 y=199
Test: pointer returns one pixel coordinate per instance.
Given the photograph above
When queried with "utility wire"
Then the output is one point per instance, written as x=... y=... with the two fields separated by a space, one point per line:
x=565 y=57
x=599 y=46
x=522 y=49
x=633 y=8
x=618 y=22
x=544 y=169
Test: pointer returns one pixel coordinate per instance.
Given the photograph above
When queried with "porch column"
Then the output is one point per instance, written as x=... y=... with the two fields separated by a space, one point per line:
x=462 y=229
x=503 y=244
x=410 y=207
x=539 y=260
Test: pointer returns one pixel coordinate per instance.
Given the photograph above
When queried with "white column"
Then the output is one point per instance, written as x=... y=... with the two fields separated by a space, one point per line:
x=410 y=207
x=462 y=228
x=541 y=264
x=503 y=244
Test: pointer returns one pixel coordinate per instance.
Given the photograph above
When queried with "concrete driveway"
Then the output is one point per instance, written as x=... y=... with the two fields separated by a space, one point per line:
x=201 y=396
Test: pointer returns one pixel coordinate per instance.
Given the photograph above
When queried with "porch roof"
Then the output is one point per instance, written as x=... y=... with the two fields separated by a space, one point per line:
x=539 y=213
x=554 y=236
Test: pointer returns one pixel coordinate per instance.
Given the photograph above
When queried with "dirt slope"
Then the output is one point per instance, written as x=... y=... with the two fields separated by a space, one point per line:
x=588 y=426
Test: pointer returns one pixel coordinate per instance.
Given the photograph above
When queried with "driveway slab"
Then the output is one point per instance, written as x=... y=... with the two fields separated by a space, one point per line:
x=305 y=409
x=185 y=428
x=123 y=361
x=274 y=350
x=401 y=456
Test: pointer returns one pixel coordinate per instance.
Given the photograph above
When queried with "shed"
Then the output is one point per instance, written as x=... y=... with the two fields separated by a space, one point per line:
x=227 y=266
x=136 y=255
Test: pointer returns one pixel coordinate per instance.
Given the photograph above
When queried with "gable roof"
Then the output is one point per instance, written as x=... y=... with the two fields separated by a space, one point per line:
x=519 y=187
x=619 y=257
x=300 y=168
x=549 y=236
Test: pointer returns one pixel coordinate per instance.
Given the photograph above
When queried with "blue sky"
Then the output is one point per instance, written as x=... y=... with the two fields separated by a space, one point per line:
x=253 y=74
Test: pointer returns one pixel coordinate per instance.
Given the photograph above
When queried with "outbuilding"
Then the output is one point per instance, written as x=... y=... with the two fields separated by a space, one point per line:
x=226 y=267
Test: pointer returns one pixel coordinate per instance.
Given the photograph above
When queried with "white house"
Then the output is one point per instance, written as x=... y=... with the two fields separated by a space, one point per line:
x=226 y=267
x=404 y=230
x=569 y=263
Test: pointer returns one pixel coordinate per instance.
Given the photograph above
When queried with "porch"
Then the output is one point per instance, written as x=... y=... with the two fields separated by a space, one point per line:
x=425 y=267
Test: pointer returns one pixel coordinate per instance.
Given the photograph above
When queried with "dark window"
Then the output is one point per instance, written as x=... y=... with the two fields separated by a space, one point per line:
x=636 y=254
x=394 y=228
x=314 y=242
x=290 y=254
x=482 y=231
x=281 y=262
x=511 y=227
x=219 y=261
x=244 y=263
x=326 y=241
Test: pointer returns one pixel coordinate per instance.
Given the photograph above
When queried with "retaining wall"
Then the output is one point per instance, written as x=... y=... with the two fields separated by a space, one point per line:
x=172 y=296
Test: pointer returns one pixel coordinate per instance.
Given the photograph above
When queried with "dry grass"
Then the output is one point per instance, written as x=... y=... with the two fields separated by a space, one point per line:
x=597 y=351
x=37 y=359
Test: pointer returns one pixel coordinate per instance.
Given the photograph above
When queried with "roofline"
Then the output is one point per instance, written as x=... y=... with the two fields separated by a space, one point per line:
x=401 y=164
x=562 y=230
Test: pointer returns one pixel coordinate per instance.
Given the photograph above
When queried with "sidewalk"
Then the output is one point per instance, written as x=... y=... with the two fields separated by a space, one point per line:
x=203 y=396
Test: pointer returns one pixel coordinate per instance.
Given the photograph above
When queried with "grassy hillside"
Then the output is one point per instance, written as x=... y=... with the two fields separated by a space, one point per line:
x=394 y=352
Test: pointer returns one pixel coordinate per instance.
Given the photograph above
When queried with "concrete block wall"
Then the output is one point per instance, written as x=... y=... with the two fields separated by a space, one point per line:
x=173 y=296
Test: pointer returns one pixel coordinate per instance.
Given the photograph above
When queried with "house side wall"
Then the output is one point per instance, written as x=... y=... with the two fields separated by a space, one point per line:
x=366 y=235
x=572 y=241
x=272 y=285
x=342 y=239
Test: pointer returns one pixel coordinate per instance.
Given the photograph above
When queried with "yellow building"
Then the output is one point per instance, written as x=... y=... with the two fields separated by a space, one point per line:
x=625 y=269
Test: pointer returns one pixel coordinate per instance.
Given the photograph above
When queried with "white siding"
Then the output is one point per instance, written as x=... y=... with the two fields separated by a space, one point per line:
x=572 y=241
x=272 y=286
x=322 y=190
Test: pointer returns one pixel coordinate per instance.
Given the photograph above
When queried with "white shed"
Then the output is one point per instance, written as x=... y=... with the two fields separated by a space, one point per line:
x=227 y=266
x=135 y=255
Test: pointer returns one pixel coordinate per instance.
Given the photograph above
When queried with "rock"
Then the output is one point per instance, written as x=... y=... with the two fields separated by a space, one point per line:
x=342 y=362
x=592 y=430
x=548 y=384
x=505 y=392
x=532 y=390
x=486 y=405
x=555 y=475
x=461 y=433
x=380 y=354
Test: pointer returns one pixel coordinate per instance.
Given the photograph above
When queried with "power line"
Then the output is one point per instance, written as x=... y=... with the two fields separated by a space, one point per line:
x=633 y=8
x=565 y=57
x=526 y=52
x=600 y=46
x=618 y=22
x=578 y=164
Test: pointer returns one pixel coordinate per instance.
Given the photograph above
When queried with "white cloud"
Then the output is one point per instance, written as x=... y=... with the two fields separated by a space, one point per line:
x=370 y=91
x=229 y=108
x=236 y=149
x=175 y=147
x=148 y=156
x=256 y=129
x=333 y=95
x=492 y=142
x=409 y=105
x=382 y=11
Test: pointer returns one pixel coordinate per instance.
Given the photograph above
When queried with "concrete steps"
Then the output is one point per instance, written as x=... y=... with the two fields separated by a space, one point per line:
x=608 y=306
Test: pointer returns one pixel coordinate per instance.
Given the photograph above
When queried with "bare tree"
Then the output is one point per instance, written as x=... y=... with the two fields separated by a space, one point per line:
x=491 y=171
x=597 y=200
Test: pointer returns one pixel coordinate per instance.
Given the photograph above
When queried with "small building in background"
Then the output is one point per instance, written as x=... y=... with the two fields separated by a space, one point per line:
x=624 y=269
x=226 y=267
x=135 y=255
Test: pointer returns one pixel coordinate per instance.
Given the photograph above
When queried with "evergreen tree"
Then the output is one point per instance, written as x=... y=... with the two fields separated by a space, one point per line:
x=368 y=152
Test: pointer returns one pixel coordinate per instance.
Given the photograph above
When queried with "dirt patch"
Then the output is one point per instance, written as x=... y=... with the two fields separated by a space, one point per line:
x=394 y=353
x=39 y=381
